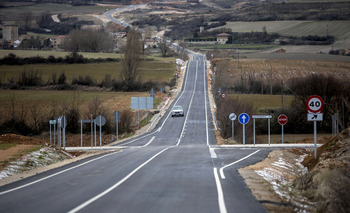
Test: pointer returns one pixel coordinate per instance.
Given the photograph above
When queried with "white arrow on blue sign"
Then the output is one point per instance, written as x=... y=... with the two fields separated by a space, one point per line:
x=243 y=118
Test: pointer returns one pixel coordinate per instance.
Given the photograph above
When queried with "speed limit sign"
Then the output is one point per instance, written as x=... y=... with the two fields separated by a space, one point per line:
x=314 y=104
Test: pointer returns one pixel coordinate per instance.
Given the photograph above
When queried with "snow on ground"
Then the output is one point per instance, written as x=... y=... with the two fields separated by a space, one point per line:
x=43 y=157
x=279 y=176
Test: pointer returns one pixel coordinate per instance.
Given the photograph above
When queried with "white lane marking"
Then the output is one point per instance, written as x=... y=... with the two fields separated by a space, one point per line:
x=205 y=102
x=212 y=153
x=153 y=122
x=221 y=200
x=149 y=142
x=224 y=167
x=132 y=141
x=189 y=108
x=83 y=205
x=50 y=176
x=178 y=98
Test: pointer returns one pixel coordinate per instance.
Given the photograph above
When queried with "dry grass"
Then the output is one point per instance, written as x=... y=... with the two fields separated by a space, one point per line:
x=265 y=101
x=284 y=69
x=45 y=101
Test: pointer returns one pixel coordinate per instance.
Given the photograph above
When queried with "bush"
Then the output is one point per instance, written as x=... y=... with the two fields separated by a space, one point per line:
x=227 y=106
x=62 y=79
x=87 y=81
x=29 y=78
x=125 y=125
x=15 y=126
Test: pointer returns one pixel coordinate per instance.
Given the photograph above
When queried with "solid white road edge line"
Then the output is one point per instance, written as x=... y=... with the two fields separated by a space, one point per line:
x=50 y=176
x=83 y=205
x=224 y=167
x=212 y=153
x=221 y=200
x=149 y=142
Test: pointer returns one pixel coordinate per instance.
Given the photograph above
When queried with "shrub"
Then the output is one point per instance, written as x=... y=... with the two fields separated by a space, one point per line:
x=126 y=118
x=87 y=81
x=62 y=79
x=224 y=108
x=29 y=78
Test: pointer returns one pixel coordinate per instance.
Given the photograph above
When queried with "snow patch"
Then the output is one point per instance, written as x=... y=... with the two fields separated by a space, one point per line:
x=43 y=157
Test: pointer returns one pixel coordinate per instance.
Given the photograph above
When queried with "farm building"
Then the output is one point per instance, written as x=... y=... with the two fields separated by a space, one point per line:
x=222 y=38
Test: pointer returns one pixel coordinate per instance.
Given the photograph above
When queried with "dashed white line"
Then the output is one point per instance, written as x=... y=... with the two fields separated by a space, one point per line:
x=91 y=200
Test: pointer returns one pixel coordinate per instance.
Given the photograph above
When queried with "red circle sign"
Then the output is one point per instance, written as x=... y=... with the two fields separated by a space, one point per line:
x=282 y=119
x=223 y=95
x=314 y=104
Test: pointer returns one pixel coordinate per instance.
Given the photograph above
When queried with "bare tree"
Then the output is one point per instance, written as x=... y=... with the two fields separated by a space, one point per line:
x=164 y=46
x=27 y=17
x=146 y=35
x=96 y=41
x=132 y=59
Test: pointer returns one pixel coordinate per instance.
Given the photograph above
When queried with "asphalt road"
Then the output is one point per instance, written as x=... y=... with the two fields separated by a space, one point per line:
x=175 y=168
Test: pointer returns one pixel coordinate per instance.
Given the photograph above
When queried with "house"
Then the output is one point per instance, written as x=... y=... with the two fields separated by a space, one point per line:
x=150 y=43
x=58 y=41
x=222 y=38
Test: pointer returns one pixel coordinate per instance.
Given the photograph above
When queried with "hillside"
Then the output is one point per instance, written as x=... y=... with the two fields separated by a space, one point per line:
x=294 y=181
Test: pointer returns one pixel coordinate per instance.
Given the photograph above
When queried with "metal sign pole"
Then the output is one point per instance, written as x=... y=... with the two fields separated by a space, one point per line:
x=269 y=130
x=95 y=132
x=54 y=134
x=254 y=129
x=282 y=133
x=59 y=132
x=243 y=134
x=100 y=132
x=64 y=138
x=81 y=133
x=232 y=131
x=50 y=133
x=92 y=132
x=117 y=129
x=315 y=136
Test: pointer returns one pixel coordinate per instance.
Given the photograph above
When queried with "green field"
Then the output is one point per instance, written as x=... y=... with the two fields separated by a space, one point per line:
x=45 y=54
x=338 y=29
x=261 y=102
x=155 y=68
x=53 y=8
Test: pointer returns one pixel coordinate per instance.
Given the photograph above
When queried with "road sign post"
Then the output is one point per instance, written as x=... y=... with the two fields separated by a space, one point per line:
x=282 y=120
x=52 y=122
x=116 y=120
x=233 y=117
x=314 y=105
x=92 y=132
x=268 y=117
x=100 y=121
x=243 y=118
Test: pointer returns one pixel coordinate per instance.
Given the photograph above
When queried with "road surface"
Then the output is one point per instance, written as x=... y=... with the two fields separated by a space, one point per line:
x=177 y=167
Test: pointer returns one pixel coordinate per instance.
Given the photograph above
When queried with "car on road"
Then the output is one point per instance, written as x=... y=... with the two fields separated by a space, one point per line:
x=177 y=111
